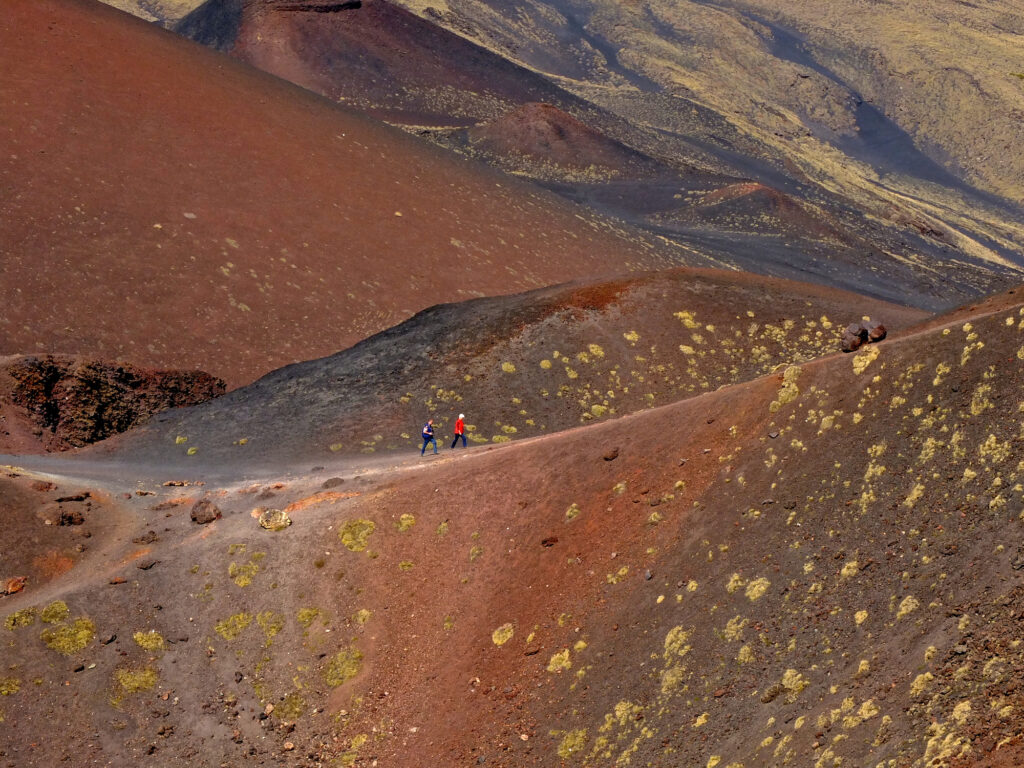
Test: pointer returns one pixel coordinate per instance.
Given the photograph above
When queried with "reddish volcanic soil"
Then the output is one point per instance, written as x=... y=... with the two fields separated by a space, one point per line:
x=820 y=566
x=177 y=209
x=542 y=133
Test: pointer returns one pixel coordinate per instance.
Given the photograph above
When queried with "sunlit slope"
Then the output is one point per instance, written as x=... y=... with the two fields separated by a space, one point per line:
x=517 y=366
x=819 y=565
x=177 y=209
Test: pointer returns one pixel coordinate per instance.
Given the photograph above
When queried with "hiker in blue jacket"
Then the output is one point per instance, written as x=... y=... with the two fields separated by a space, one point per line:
x=428 y=436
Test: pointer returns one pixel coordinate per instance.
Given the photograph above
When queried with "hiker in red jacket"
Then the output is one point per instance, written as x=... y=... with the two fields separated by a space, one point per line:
x=460 y=431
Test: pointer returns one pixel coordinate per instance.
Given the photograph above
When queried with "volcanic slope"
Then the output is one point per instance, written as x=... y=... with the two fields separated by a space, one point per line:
x=656 y=165
x=518 y=366
x=820 y=566
x=177 y=209
x=792 y=94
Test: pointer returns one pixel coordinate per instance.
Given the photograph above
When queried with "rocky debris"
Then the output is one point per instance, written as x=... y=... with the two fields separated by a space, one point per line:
x=332 y=482
x=205 y=511
x=145 y=565
x=70 y=517
x=72 y=401
x=866 y=331
x=147 y=538
x=75 y=497
x=14 y=585
x=612 y=455
x=274 y=520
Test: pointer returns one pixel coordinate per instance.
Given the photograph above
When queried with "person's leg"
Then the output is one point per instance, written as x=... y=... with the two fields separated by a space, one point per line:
x=463 y=436
x=424 y=448
x=455 y=441
x=434 y=441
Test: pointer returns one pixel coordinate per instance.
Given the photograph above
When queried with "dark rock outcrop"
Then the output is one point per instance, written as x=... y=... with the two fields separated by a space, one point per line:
x=71 y=401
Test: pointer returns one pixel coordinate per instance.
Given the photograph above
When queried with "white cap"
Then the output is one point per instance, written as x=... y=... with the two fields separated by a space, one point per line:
x=462 y=415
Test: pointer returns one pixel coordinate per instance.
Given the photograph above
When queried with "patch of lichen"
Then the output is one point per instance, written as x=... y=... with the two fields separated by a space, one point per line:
x=128 y=681
x=405 y=522
x=306 y=616
x=243 y=574
x=55 y=612
x=70 y=638
x=23 y=618
x=343 y=666
x=231 y=627
x=355 y=534
x=9 y=686
x=291 y=708
x=271 y=623
x=503 y=634
x=151 y=641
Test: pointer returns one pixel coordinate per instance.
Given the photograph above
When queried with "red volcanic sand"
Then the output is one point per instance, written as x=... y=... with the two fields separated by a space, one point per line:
x=178 y=209
x=545 y=133
x=388 y=61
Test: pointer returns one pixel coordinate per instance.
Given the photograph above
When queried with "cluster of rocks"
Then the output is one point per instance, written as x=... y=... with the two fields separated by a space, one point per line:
x=857 y=335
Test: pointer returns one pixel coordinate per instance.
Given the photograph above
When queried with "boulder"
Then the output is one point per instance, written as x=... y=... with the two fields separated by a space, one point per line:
x=274 y=520
x=205 y=511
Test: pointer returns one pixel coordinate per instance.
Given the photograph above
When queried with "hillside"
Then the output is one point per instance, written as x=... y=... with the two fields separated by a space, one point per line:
x=518 y=366
x=696 y=100
x=819 y=566
x=176 y=209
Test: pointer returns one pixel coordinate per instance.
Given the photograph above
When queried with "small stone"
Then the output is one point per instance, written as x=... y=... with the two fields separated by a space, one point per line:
x=145 y=565
x=612 y=454
x=773 y=434
x=15 y=585
x=288 y=746
x=648 y=575
x=118 y=580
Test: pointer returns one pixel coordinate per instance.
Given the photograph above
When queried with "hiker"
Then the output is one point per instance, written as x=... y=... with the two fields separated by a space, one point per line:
x=460 y=431
x=428 y=436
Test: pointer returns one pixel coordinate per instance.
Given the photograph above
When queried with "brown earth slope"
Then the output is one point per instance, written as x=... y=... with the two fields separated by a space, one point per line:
x=177 y=209
x=818 y=567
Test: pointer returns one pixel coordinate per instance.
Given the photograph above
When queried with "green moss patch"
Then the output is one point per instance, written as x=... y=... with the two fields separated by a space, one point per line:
x=343 y=667
x=233 y=626
x=129 y=681
x=70 y=638
x=355 y=534
x=23 y=618
x=55 y=612
x=271 y=623
x=243 y=574
x=306 y=616
x=292 y=708
x=405 y=522
x=151 y=641
x=9 y=686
